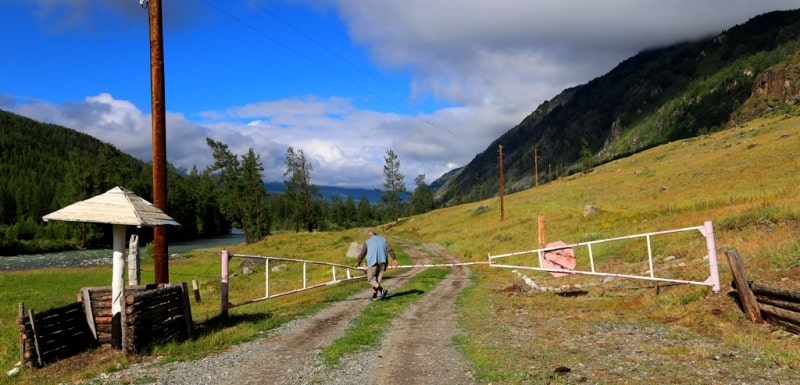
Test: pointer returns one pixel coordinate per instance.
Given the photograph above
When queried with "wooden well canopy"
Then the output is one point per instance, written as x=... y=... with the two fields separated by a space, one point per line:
x=119 y=207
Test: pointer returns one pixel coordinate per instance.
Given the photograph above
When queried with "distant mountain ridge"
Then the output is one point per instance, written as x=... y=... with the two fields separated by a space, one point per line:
x=654 y=97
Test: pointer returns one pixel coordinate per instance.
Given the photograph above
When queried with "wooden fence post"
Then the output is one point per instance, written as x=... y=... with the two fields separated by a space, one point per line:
x=196 y=290
x=224 y=283
x=22 y=340
x=746 y=296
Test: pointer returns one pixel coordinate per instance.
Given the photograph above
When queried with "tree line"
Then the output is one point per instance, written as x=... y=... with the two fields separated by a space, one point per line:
x=45 y=167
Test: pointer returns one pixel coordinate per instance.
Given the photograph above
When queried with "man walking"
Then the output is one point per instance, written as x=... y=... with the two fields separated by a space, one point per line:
x=377 y=250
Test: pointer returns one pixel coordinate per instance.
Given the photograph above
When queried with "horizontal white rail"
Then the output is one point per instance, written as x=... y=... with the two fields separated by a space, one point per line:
x=226 y=304
x=707 y=230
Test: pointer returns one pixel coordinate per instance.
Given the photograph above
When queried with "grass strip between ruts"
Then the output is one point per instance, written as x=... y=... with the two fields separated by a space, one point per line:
x=368 y=327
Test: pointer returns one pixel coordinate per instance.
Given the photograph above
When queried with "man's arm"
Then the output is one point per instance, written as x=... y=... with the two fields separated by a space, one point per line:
x=391 y=253
x=361 y=255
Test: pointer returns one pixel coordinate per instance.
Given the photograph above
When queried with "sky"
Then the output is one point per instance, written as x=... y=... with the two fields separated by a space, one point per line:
x=343 y=81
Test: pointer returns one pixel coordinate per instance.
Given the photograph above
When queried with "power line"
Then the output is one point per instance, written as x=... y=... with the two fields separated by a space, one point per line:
x=309 y=58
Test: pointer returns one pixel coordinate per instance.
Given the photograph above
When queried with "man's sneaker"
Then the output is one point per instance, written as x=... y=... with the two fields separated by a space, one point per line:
x=375 y=296
x=383 y=293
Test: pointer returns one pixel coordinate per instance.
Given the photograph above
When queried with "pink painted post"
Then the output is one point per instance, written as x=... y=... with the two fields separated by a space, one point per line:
x=708 y=231
x=224 y=284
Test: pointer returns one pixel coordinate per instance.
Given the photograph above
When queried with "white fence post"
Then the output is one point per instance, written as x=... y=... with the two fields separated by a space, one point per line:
x=708 y=231
x=266 y=278
x=224 y=283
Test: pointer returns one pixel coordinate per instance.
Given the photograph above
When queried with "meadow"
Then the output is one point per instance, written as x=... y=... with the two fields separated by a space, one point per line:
x=743 y=180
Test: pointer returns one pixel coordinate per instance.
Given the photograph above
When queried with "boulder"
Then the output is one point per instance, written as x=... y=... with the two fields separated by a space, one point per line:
x=480 y=210
x=354 y=250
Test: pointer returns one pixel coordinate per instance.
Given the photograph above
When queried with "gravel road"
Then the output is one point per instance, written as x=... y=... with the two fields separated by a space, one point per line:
x=417 y=349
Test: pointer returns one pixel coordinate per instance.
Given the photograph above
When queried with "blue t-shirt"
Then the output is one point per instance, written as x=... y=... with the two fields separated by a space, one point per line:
x=376 y=250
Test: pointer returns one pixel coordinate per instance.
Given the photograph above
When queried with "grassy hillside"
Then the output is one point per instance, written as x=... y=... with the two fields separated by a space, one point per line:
x=651 y=98
x=744 y=180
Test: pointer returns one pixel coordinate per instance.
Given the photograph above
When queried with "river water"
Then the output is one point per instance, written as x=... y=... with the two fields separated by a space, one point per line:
x=100 y=257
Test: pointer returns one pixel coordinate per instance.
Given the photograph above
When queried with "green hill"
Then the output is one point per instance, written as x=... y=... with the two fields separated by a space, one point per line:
x=652 y=98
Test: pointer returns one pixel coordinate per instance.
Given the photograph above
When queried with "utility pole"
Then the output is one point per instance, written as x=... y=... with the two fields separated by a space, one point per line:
x=500 y=154
x=536 y=166
x=158 y=112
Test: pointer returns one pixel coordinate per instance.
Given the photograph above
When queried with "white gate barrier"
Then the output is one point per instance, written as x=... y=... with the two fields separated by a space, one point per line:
x=706 y=230
x=304 y=285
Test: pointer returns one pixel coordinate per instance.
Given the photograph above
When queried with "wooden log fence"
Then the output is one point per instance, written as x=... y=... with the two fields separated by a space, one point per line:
x=53 y=334
x=151 y=314
x=156 y=316
x=777 y=306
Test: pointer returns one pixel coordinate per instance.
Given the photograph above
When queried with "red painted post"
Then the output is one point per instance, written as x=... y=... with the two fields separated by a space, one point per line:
x=224 y=284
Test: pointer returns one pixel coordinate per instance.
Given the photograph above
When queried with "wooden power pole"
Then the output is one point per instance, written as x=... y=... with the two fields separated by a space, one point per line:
x=536 y=166
x=500 y=155
x=158 y=112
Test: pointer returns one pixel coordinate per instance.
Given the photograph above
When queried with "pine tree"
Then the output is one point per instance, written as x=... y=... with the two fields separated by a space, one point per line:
x=422 y=198
x=394 y=185
x=299 y=189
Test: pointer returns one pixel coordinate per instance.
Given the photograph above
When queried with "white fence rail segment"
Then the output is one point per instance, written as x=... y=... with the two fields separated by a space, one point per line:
x=706 y=230
x=304 y=284
x=441 y=265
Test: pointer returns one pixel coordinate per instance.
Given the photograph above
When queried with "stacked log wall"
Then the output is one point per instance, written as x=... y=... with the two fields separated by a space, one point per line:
x=151 y=314
x=53 y=334
x=97 y=304
x=778 y=306
x=156 y=317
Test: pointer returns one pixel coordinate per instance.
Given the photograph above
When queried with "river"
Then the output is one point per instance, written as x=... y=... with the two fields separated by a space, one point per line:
x=100 y=257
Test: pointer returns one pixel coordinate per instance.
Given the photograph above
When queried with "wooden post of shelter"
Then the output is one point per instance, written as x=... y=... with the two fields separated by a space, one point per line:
x=117 y=285
x=134 y=264
x=746 y=296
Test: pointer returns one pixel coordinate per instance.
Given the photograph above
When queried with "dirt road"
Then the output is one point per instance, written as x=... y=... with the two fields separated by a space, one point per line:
x=417 y=349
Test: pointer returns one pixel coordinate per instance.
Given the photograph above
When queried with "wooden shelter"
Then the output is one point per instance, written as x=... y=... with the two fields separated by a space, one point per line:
x=119 y=207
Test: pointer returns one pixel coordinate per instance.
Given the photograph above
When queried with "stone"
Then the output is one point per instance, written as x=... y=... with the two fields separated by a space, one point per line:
x=589 y=210
x=280 y=268
x=480 y=210
x=354 y=250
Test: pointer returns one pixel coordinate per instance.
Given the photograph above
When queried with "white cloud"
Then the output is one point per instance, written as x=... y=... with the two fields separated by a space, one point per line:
x=489 y=63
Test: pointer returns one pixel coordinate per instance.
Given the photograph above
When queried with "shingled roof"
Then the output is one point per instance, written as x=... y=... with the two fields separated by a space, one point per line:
x=116 y=206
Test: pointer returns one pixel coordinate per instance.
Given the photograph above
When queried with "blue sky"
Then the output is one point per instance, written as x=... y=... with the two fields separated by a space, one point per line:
x=344 y=81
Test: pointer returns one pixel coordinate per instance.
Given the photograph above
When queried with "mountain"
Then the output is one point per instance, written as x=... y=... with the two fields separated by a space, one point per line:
x=329 y=192
x=657 y=96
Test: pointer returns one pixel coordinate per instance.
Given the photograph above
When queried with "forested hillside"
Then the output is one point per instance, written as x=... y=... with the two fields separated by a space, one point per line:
x=44 y=167
x=655 y=97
